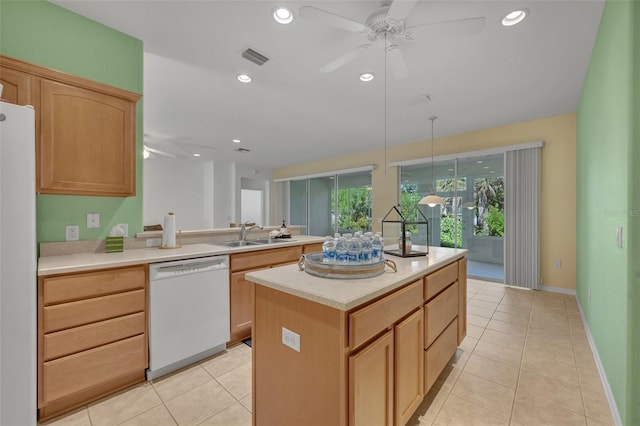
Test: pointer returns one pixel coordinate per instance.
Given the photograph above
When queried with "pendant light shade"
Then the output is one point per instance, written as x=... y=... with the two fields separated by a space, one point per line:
x=432 y=199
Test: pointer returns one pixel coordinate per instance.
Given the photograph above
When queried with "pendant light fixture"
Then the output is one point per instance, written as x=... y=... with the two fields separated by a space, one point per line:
x=432 y=199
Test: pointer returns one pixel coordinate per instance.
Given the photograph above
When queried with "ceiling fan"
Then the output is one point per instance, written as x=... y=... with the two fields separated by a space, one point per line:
x=385 y=27
x=156 y=144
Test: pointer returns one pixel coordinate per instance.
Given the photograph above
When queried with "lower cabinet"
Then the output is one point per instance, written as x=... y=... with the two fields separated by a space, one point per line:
x=241 y=309
x=92 y=336
x=409 y=380
x=371 y=382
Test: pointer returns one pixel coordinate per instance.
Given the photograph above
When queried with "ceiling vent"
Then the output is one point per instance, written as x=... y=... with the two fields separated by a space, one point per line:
x=252 y=56
x=242 y=150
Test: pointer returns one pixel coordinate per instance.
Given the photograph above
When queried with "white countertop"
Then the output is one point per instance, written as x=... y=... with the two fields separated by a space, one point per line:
x=348 y=294
x=63 y=264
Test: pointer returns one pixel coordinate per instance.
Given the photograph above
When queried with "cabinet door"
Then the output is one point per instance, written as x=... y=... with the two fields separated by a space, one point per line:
x=16 y=86
x=409 y=374
x=87 y=142
x=241 y=307
x=371 y=384
x=462 y=299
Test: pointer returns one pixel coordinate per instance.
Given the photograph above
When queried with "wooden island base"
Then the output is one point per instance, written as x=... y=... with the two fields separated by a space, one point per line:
x=371 y=364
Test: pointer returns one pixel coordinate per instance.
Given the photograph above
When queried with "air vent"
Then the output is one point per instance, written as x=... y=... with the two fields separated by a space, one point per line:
x=251 y=55
x=242 y=150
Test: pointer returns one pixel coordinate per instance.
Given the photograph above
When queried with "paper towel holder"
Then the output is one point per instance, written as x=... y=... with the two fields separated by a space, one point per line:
x=178 y=242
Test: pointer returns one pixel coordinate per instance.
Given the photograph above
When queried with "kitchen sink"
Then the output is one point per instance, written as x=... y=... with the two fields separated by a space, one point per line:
x=256 y=242
x=237 y=243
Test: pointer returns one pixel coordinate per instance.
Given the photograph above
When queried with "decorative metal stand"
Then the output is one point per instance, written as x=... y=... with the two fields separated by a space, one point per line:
x=395 y=217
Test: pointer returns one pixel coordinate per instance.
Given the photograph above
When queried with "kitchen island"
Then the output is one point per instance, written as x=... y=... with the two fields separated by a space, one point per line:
x=354 y=352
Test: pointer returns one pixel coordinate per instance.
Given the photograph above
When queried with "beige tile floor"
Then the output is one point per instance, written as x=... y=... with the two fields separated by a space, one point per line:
x=525 y=362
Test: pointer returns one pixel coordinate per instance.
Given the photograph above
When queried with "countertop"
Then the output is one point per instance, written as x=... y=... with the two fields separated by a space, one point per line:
x=348 y=294
x=68 y=263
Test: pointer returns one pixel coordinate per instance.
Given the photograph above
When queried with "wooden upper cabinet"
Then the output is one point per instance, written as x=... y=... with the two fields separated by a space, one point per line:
x=16 y=86
x=85 y=130
x=87 y=142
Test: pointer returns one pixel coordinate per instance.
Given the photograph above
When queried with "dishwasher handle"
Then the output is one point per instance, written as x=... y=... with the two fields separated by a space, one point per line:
x=193 y=266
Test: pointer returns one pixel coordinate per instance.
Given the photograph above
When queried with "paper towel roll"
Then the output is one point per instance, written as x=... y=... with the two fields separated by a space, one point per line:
x=169 y=230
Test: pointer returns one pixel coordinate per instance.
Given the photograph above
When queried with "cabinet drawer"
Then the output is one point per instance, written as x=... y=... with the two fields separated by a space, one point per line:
x=439 y=312
x=434 y=283
x=312 y=248
x=72 y=314
x=258 y=259
x=83 y=370
x=371 y=320
x=439 y=353
x=92 y=284
x=78 y=339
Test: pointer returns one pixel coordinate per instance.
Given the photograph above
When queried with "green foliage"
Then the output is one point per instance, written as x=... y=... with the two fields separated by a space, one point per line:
x=448 y=237
x=495 y=221
x=354 y=209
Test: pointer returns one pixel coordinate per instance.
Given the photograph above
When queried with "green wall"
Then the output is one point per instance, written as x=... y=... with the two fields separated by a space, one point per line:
x=634 y=231
x=50 y=36
x=607 y=198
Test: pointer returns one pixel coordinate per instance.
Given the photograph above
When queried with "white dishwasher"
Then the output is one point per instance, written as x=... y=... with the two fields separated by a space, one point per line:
x=188 y=312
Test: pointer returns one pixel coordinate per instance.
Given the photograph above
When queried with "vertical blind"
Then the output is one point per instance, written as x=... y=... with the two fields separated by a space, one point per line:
x=522 y=218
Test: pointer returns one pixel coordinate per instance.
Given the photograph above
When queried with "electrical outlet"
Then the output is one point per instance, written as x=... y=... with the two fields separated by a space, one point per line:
x=125 y=228
x=557 y=264
x=619 y=237
x=72 y=233
x=153 y=242
x=93 y=220
x=291 y=339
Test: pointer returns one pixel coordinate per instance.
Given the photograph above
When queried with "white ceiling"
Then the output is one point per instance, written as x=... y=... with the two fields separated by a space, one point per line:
x=292 y=113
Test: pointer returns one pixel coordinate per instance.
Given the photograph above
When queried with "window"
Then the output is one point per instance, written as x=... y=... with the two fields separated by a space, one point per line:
x=329 y=204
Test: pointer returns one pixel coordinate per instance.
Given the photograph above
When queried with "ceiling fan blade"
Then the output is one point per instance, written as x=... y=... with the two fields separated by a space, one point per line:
x=345 y=59
x=400 y=9
x=396 y=62
x=157 y=151
x=329 y=18
x=457 y=28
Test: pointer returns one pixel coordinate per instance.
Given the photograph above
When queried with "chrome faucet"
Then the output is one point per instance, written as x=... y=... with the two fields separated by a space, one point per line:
x=244 y=231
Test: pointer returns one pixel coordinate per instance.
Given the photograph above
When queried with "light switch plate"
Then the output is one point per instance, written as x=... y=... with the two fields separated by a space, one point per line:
x=619 y=237
x=291 y=339
x=93 y=220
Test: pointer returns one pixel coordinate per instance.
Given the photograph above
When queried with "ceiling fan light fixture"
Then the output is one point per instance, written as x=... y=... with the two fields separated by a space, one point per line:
x=244 y=78
x=283 y=15
x=367 y=76
x=515 y=17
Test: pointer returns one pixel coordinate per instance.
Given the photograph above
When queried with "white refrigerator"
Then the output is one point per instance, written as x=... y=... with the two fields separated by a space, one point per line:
x=18 y=282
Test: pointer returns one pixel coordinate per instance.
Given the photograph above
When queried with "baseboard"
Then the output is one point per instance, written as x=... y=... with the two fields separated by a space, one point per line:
x=603 y=377
x=558 y=290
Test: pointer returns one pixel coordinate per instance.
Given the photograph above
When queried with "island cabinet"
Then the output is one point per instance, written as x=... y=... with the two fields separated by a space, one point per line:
x=85 y=130
x=368 y=364
x=92 y=336
x=241 y=290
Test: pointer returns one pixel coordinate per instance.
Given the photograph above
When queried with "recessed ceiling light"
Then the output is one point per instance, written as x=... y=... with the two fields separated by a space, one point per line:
x=244 y=78
x=492 y=171
x=367 y=76
x=236 y=141
x=196 y=155
x=146 y=154
x=450 y=170
x=282 y=15
x=479 y=161
x=515 y=17
x=486 y=167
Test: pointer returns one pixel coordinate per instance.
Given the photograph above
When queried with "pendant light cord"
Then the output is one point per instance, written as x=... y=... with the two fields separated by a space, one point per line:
x=385 y=103
x=433 y=182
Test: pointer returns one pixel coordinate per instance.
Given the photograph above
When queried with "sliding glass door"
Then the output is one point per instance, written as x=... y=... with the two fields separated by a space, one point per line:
x=472 y=216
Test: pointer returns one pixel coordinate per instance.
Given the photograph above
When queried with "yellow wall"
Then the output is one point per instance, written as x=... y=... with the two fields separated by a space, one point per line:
x=558 y=196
